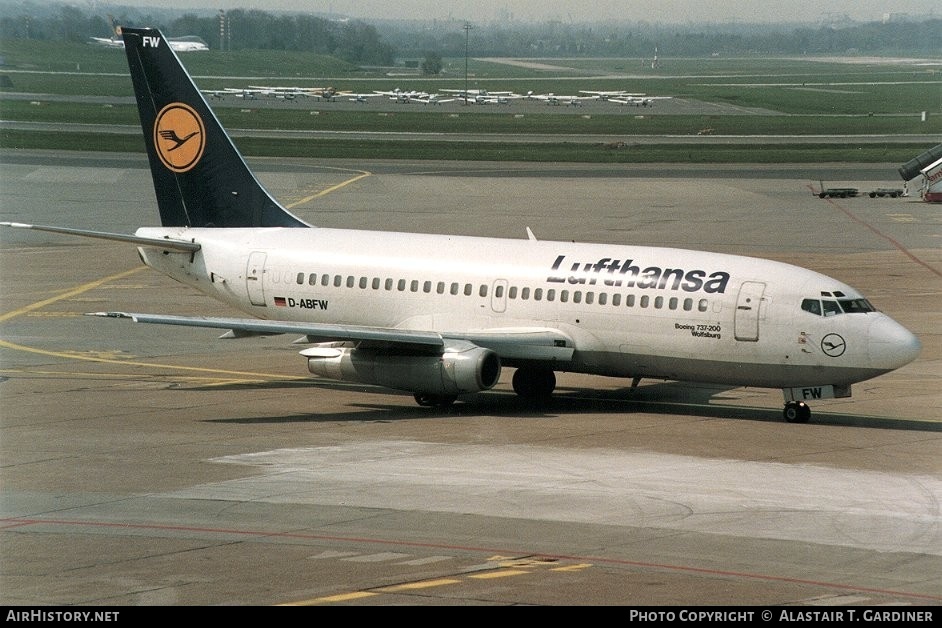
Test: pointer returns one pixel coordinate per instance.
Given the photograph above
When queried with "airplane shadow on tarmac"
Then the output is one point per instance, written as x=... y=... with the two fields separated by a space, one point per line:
x=663 y=398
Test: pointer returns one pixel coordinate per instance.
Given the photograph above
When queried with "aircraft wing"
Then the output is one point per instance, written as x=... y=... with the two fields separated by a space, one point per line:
x=522 y=343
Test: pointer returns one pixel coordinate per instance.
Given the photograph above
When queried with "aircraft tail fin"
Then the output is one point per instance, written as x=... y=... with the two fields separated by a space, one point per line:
x=200 y=178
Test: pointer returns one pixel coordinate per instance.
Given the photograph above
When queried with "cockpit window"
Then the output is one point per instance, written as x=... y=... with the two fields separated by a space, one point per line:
x=812 y=305
x=856 y=306
x=829 y=307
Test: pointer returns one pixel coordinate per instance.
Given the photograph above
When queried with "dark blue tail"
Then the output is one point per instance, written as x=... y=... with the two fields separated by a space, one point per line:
x=200 y=178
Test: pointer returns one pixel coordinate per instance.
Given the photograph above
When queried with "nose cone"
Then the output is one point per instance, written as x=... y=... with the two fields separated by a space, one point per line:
x=891 y=344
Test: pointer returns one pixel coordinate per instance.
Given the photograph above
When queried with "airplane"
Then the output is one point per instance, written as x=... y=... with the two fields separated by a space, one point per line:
x=605 y=95
x=361 y=98
x=559 y=99
x=482 y=96
x=440 y=316
x=638 y=101
x=245 y=94
x=281 y=92
x=186 y=43
x=403 y=96
x=434 y=99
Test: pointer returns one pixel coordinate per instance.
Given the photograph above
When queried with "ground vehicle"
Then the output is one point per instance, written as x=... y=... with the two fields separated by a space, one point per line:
x=838 y=192
x=891 y=192
x=932 y=187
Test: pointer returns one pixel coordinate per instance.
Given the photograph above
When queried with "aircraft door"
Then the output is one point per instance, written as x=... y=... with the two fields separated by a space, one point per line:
x=254 y=277
x=746 y=325
x=499 y=295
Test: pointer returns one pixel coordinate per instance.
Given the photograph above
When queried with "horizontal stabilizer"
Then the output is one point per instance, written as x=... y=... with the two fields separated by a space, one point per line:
x=174 y=245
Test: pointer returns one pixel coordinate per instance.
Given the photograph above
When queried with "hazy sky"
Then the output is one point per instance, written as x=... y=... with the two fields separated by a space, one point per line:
x=582 y=10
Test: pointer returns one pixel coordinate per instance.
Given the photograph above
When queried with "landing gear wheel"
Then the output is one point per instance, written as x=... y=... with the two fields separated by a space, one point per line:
x=434 y=401
x=534 y=383
x=797 y=412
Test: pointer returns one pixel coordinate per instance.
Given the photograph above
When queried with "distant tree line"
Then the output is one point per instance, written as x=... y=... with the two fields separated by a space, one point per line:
x=350 y=40
x=381 y=42
x=558 y=39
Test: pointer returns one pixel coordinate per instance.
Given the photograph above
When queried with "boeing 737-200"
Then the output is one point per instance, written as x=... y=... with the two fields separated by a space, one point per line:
x=439 y=315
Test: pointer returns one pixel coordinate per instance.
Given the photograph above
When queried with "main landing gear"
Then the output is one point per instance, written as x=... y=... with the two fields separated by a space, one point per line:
x=434 y=401
x=796 y=412
x=534 y=383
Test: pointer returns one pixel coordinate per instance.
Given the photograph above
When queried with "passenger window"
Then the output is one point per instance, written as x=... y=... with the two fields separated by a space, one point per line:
x=564 y=296
x=688 y=304
x=401 y=285
x=363 y=281
x=338 y=281
x=645 y=300
x=812 y=305
x=658 y=302
x=551 y=295
x=300 y=278
x=375 y=283
x=538 y=294
x=603 y=298
x=427 y=287
x=512 y=292
x=703 y=305
x=482 y=291
x=630 y=300
x=388 y=284
x=498 y=291
x=312 y=280
x=831 y=308
x=524 y=293
x=325 y=279
x=468 y=288
x=351 y=281
x=414 y=285
x=440 y=287
x=616 y=299
x=590 y=298
x=455 y=288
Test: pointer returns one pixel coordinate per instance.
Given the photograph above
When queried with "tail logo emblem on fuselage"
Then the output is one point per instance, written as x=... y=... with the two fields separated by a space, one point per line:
x=833 y=345
x=179 y=137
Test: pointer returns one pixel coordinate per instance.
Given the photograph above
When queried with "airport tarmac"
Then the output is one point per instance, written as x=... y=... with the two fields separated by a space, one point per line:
x=150 y=465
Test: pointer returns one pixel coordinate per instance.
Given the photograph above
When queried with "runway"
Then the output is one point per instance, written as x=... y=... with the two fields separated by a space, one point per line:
x=147 y=465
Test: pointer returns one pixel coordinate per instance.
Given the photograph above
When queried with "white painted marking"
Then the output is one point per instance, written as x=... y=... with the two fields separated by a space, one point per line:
x=815 y=504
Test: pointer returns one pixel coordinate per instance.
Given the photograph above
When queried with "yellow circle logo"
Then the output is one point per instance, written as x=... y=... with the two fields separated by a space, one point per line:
x=179 y=137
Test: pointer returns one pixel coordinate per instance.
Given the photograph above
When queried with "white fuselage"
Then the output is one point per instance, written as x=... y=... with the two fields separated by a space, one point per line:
x=631 y=311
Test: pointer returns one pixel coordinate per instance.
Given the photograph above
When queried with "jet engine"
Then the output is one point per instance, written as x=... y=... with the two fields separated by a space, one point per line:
x=461 y=368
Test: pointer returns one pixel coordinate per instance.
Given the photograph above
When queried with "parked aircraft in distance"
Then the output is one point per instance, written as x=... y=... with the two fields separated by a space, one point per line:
x=482 y=96
x=638 y=101
x=354 y=97
x=404 y=96
x=560 y=99
x=605 y=95
x=439 y=316
x=230 y=91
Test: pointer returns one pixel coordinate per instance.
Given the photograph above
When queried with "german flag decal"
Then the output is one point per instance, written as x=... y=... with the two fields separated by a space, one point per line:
x=179 y=137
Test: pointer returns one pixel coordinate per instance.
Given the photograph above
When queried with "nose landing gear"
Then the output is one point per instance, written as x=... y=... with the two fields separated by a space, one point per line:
x=797 y=412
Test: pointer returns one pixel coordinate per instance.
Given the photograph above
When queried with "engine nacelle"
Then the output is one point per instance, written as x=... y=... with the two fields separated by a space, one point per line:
x=465 y=368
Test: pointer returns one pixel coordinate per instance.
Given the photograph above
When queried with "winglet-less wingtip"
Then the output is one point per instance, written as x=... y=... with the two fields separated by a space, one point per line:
x=110 y=314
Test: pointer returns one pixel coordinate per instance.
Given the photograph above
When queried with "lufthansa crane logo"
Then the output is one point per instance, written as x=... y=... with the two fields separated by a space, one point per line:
x=179 y=137
x=833 y=345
